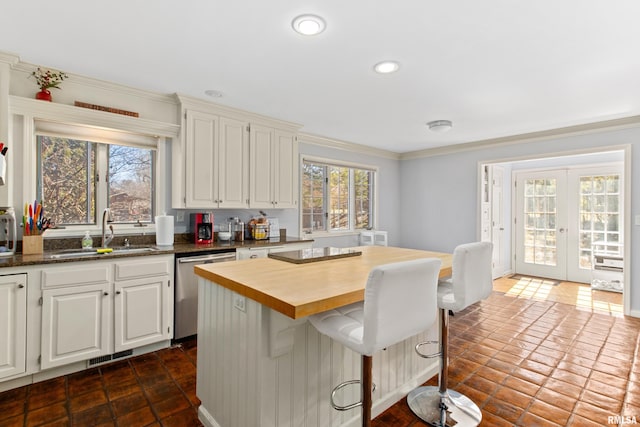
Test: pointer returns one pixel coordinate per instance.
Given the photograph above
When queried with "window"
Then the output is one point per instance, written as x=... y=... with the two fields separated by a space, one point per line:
x=73 y=182
x=336 y=197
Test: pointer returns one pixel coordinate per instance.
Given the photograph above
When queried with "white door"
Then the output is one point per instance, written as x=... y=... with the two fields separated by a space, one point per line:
x=140 y=312
x=561 y=215
x=13 y=324
x=541 y=224
x=497 y=220
x=75 y=324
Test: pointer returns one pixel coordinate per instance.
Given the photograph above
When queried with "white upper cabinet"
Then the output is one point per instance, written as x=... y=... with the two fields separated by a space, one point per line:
x=216 y=150
x=274 y=168
x=227 y=158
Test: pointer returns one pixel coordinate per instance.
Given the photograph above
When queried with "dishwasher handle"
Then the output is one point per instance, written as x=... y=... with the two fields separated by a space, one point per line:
x=209 y=258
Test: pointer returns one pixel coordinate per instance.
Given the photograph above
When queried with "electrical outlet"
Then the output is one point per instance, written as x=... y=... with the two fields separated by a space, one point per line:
x=180 y=216
x=239 y=302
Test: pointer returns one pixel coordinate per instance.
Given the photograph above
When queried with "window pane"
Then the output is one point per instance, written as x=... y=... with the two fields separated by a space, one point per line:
x=363 y=188
x=338 y=198
x=130 y=184
x=67 y=179
x=313 y=190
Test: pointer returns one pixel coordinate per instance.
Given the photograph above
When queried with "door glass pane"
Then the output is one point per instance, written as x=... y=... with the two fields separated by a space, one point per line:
x=599 y=204
x=539 y=221
x=130 y=184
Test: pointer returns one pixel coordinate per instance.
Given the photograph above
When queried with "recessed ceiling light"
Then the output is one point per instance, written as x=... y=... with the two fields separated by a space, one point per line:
x=440 y=125
x=213 y=93
x=308 y=25
x=386 y=67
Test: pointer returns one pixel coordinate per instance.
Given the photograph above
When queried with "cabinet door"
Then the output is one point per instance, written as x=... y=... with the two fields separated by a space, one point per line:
x=75 y=324
x=13 y=324
x=142 y=312
x=285 y=169
x=233 y=164
x=201 y=153
x=261 y=167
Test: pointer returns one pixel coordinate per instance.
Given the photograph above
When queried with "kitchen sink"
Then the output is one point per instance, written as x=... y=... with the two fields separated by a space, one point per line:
x=75 y=253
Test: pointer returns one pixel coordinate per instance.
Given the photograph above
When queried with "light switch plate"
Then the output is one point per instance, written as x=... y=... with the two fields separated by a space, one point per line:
x=180 y=216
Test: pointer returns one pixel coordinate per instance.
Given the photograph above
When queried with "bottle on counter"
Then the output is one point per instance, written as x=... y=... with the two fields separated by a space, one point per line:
x=238 y=233
x=87 y=241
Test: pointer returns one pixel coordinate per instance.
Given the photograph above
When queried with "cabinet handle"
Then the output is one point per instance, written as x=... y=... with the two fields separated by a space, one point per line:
x=20 y=286
x=253 y=256
x=106 y=294
x=117 y=292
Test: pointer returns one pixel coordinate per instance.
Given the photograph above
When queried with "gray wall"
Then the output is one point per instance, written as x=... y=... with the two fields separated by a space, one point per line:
x=439 y=205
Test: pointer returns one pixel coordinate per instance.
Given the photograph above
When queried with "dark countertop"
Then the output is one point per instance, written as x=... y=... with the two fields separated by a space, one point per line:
x=180 y=247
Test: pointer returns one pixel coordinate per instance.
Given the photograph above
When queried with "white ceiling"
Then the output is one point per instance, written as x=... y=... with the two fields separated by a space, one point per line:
x=494 y=67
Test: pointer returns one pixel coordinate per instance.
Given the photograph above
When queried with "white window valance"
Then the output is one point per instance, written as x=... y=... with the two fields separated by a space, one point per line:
x=94 y=134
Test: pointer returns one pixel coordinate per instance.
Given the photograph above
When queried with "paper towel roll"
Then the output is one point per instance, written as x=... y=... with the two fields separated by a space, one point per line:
x=164 y=230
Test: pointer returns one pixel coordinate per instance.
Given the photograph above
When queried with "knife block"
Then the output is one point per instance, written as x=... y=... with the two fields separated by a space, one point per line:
x=31 y=245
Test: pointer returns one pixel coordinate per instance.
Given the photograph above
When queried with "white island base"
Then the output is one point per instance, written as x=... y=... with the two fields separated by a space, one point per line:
x=259 y=368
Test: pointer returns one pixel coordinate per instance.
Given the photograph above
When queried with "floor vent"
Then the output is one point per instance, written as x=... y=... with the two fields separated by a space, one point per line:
x=108 y=358
x=122 y=354
x=98 y=360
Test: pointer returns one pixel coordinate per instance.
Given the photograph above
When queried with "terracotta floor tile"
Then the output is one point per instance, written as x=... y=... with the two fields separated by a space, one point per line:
x=47 y=393
x=139 y=418
x=117 y=391
x=171 y=406
x=522 y=386
x=531 y=420
x=569 y=377
x=84 y=382
x=481 y=384
x=12 y=403
x=556 y=399
x=549 y=412
x=117 y=373
x=188 y=387
x=87 y=401
x=513 y=397
x=602 y=401
x=129 y=403
x=578 y=421
x=491 y=374
x=593 y=413
x=46 y=414
x=188 y=417
x=538 y=367
x=97 y=415
x=491 y=420
x=527 y=375
x=563 y=388
x=503 y=410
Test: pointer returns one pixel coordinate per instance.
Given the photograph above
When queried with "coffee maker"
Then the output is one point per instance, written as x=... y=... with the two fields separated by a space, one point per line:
x=203 y=227
x=7 y=232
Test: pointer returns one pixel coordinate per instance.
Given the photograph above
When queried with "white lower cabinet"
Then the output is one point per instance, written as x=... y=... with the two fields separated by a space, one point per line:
x=75 y=324
x=94 y=309
x=13 y=324
x=141 y=312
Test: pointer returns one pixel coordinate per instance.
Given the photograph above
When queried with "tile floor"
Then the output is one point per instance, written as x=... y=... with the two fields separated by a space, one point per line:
x=529 y=355
x=156 y=389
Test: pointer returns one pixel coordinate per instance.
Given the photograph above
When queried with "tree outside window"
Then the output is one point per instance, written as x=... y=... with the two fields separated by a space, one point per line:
x=336 y=197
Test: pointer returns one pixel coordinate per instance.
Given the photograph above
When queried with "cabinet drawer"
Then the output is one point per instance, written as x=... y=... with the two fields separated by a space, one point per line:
x=142 y=268
x=76 y=275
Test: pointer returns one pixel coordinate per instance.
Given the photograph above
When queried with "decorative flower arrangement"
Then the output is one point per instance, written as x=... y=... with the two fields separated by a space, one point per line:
x=47 y=79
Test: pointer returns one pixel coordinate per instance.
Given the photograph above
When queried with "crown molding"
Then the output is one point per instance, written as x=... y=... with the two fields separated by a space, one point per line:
x=346 y=146
x=9 y=58
x=91 y=82
x=189 y=102
x=583 y=129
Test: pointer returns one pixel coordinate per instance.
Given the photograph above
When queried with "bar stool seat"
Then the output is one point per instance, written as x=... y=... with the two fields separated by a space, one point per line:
x=399 y=302
x=470 y=282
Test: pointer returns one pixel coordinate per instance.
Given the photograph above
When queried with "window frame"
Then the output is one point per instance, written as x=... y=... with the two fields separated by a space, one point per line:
x=327 y=162
x=26 y=113
x=101 y=190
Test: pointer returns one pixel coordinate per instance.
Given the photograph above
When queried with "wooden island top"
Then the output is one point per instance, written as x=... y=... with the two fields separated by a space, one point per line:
x=300 y=290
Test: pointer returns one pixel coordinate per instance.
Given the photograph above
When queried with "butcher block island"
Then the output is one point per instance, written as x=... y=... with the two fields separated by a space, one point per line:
x=260 y=363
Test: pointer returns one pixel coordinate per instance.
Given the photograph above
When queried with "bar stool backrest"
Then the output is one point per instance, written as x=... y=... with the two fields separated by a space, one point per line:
x=471 y=274
x=400 y=301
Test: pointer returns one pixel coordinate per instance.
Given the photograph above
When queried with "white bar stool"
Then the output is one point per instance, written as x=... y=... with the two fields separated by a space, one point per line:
x=399 y=302
x=470 y=282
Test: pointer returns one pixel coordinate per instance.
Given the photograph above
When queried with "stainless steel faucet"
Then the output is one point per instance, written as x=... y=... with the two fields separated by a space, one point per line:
x=106 y=217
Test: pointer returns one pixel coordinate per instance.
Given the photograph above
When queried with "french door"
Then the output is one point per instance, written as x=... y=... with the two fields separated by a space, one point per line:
x=562 y=215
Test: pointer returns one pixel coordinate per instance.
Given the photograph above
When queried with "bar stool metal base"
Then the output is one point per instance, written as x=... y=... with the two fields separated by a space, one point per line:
x=460 y=412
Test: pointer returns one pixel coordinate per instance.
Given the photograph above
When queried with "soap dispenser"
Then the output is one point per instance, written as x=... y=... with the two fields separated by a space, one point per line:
x=87 y=241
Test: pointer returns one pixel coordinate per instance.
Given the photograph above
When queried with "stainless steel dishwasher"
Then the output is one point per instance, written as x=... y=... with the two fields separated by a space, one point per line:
x=186 y=290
